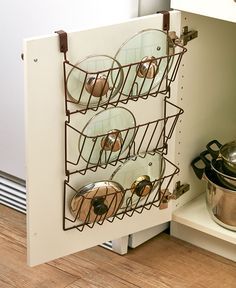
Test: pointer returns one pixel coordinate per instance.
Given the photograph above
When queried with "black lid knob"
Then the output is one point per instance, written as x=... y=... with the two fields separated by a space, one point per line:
x=143 y=188
x=99 y=206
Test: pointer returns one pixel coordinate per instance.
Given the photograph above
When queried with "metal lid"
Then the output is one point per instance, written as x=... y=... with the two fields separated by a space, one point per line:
x=96 y=201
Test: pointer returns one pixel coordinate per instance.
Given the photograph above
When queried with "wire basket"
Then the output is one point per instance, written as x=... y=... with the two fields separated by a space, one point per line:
x=89 y=90
x=118 y=204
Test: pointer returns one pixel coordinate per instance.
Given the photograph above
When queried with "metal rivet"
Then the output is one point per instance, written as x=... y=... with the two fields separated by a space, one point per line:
x=150 y=164
x=158 y=48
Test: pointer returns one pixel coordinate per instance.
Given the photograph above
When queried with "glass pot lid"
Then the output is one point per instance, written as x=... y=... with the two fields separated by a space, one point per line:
x=92 y=83
x=139 y=175
x=145 y=47
x=96 y=201
x=107 y=135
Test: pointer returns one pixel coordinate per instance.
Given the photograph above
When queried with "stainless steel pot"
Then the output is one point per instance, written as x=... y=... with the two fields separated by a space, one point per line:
x=217 y=166
x=227 y=153
x=221 y=201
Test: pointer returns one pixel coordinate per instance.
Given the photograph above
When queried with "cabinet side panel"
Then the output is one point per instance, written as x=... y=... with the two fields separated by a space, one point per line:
x=225 y=10
x=207 y=93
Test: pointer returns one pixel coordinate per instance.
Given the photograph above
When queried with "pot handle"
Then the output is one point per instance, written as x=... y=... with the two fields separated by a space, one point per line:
x=204 y=156
x=197 y=170
x=214 y=153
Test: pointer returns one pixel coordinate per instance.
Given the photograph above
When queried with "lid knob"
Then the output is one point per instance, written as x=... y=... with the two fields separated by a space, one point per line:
x=97 y=85
x=148 y=68
x=99 y=206
x=112 y=141
x=142 y=186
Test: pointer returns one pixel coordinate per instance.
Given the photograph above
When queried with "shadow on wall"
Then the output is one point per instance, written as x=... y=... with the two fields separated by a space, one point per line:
x=147 y=7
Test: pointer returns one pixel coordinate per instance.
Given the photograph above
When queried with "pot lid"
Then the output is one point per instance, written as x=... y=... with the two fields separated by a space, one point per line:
x=144 y=47
x=92 y=83
x=103 y=139
x=228 y=152
x=96 y=201
x=140 y=175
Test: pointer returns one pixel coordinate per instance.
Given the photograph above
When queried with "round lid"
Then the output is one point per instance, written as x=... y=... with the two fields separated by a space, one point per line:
x=228 y=152
x=92 y=82
x=96 y=201
x=140 y=174
x=144 y=48
x=102 y=139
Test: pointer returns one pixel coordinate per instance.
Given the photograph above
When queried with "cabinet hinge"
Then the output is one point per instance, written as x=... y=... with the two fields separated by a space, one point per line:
x=185 y=37
x=179 y=190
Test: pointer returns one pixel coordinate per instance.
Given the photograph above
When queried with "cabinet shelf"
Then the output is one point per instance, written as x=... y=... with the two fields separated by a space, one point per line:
x=192 y=223
x=195 y=215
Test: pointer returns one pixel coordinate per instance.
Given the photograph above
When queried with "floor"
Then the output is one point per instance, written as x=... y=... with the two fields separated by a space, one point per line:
x=162 y=262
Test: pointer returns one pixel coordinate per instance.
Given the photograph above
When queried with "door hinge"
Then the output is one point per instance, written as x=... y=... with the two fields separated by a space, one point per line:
x=166 y=196
x=185 y=37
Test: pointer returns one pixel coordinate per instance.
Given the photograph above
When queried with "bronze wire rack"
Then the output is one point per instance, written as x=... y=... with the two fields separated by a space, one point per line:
x=135 y=147
x=150 y=136
x=133 y=204
x=154 y=89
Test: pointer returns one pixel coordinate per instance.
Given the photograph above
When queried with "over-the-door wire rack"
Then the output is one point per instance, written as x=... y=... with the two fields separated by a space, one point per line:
x=148 y=138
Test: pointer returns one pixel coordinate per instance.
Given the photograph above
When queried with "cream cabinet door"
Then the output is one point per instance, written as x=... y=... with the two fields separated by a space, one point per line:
x=45 y=140
x=221 y=9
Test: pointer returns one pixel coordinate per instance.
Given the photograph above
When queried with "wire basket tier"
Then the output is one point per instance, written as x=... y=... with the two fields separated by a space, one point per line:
x=119 y=205
x=90 y=152
x=89 y=90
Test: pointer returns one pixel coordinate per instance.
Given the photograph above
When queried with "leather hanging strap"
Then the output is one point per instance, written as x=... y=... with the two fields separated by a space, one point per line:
x=63 y=41
x=166 y=20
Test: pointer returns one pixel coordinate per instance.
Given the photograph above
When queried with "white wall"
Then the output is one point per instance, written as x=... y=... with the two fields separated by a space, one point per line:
x=26 y=18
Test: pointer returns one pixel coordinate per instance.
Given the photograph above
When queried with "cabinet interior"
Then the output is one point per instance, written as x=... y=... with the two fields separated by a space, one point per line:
x=207 y=93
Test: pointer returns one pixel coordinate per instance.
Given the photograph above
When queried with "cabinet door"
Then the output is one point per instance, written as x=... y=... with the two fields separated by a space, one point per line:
x=225 y=10
x=45 y=138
